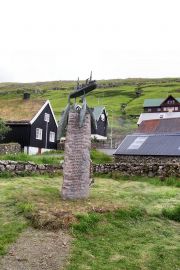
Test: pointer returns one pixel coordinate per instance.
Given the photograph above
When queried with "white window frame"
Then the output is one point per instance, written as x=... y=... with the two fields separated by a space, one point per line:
x=38 y=133
x=52 y=136
x=46 y=117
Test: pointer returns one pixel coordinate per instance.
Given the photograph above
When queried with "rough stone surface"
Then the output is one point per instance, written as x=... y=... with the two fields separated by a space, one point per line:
x=10 y=148
x=10 y=167
x=145 y=166
x=76 y=169
x=20 y=168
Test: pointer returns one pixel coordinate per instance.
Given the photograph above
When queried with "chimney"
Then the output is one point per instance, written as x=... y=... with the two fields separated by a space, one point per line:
x=26 y=96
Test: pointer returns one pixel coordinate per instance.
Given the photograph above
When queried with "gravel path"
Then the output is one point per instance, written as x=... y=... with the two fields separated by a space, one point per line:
x=37 y=250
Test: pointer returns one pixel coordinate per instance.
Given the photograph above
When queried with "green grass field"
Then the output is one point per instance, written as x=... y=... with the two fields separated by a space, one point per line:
x=111 y=93
x=125 y=224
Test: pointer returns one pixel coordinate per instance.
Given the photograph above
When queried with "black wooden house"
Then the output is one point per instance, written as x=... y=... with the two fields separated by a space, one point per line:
x=101 y=118
x=169 y=104
x=32 y=122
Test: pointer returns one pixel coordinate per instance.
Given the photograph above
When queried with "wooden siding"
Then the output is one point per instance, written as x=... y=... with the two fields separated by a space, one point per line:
x=19 y=134
x=40 y=123
x=169 y=103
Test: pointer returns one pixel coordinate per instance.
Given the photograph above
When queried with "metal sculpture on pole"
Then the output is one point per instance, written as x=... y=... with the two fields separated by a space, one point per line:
x=76 y=122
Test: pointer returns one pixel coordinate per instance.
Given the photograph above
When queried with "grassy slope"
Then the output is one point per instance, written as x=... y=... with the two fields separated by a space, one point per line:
x=111 y=97
x=132 y=235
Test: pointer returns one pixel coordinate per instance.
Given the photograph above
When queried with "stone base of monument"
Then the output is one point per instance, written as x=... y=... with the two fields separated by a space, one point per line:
x=76 y=169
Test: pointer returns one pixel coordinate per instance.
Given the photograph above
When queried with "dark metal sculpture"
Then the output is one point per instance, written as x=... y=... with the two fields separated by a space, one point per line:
x=80 y=90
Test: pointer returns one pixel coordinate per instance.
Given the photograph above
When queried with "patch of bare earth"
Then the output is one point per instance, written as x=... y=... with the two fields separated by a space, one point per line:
x=38 y=250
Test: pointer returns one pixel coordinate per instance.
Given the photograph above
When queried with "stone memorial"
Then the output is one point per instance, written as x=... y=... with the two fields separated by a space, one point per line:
x=76 y=122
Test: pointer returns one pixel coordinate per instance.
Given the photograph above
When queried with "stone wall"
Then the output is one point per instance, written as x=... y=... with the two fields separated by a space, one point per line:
x=144 y=166
x=9 y=148
x=20 y=168
x=149 y=167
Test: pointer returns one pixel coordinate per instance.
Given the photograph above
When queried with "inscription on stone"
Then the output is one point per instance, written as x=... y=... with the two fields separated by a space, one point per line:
x=76 y=169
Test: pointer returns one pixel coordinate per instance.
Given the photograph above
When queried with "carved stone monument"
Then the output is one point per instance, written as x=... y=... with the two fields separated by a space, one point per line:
x=76 y=169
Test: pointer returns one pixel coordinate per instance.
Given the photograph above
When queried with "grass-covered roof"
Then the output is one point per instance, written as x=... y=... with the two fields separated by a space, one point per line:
x=19 y=110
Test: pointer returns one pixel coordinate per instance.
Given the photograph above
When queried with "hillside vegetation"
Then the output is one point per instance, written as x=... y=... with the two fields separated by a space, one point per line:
x=123 y=98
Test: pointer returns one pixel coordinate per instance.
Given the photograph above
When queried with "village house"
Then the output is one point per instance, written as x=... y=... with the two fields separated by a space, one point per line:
x=101 y=118
x=162 y=115
x=32 y=122
x=150 y=145
x=169 y=104
x=158 y=134
x=159 y=126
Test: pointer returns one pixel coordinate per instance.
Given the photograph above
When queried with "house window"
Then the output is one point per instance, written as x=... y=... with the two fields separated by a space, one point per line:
x=159 y=109
x=149 y=110
x=46 y=117
x=52 y=136
x=176 y=108
x=170 y=102
x=38 y=133
x=165 y=109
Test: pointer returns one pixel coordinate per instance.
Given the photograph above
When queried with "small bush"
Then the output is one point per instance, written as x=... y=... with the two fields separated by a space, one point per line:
x=99 y=157
x=172 y=213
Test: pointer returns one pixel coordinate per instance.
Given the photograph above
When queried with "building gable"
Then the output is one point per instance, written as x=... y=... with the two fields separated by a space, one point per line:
x=170 y=100
x=169 y=104
x=44 y=128
x=41 y=110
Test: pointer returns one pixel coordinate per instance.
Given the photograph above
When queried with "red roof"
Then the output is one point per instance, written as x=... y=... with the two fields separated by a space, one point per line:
x=170 y=125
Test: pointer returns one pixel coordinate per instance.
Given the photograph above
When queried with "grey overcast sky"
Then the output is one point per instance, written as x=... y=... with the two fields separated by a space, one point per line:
x=43 y=40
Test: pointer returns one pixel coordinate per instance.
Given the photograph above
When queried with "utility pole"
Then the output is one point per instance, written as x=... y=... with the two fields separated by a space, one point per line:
x=46 y=119
x=111 y=130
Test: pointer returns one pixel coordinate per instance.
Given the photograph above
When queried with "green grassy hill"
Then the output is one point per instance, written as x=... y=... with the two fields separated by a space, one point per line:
x=119 y=96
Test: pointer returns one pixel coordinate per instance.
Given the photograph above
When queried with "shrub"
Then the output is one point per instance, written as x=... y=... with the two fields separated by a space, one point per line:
x=99 y=157
x=3 y=129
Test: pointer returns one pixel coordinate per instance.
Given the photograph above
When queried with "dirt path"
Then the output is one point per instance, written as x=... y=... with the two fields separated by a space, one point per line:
x=37 y=250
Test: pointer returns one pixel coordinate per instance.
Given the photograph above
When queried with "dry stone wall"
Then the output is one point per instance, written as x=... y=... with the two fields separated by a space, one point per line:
x=145 y=166
x=10 y=148
x=20 y=168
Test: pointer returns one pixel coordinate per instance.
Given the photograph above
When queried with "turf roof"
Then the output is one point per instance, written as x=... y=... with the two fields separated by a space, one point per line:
x=19 y=110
